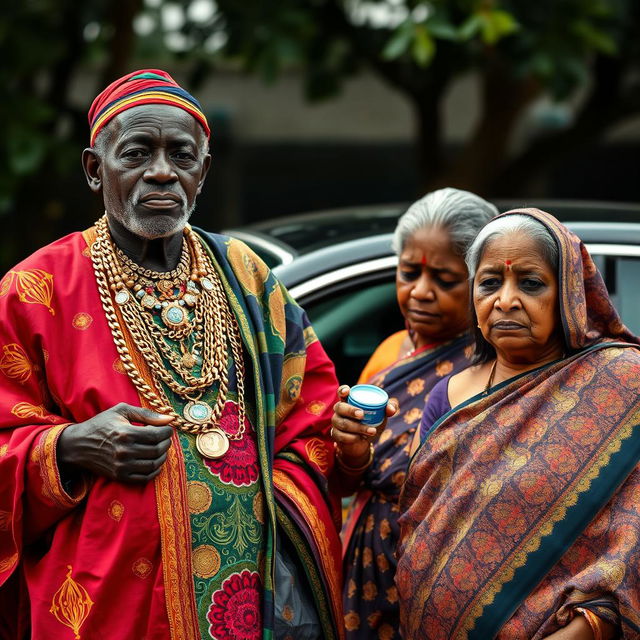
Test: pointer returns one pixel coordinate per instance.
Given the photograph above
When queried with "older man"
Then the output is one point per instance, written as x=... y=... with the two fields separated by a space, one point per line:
x=165 y=407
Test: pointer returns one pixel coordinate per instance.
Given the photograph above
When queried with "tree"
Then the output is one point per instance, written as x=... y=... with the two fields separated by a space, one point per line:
x=520 y=49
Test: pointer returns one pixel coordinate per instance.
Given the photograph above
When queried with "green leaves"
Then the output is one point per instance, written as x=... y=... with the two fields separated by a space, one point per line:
x=490 y=24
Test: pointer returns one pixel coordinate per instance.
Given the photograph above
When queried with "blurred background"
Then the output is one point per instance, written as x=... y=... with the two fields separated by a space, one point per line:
x=328 y=103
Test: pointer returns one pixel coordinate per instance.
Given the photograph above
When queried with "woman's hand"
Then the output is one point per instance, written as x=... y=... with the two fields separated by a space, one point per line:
x=350 y=434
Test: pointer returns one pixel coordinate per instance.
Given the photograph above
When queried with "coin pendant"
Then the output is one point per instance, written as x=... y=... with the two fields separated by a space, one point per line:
x=212 y=444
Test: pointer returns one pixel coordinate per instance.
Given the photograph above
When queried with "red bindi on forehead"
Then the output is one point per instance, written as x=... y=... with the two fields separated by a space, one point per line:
x=423 y=262
x=507 y=263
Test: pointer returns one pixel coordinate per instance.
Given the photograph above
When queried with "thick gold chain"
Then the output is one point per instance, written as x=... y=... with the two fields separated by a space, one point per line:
x=213 y=317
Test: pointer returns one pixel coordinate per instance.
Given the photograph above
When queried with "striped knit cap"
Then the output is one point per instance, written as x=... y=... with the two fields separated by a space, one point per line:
x=146 y=86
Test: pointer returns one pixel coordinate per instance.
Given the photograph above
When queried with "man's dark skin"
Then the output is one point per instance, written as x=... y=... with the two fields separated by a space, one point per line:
x=148 y=164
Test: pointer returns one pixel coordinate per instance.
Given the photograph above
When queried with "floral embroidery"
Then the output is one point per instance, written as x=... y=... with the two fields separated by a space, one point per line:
x=239 y=466
x=82 y=321
x=233 y=527
x=236 y=610
x=142 y=568
x=71 y=604
x=316 y=407
x=118 y=367
x=412 y=415
x=26 y=410
x=369 y=590
x=351 y=621
x=33 y=287
x=415 y=386
x=15 y=364
x=8 y=562
x=318 y=454
x=5 y=520
x=444 y=368
x=116 y=510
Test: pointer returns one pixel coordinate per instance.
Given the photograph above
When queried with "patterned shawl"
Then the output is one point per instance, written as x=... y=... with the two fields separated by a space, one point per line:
x=523 y=503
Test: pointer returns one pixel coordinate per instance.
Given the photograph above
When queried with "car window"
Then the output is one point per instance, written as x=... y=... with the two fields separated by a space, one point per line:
x=353 y=322
x=623 y=281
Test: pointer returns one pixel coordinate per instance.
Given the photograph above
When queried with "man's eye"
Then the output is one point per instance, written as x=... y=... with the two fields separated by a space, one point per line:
x=134 y=154
x=184 y=156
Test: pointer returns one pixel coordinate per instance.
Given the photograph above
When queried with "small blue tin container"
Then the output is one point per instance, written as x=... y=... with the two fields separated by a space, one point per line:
x=372 y=400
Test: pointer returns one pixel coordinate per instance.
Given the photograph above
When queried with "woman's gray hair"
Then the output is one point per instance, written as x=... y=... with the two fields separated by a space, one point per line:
x=461 y=213
x=516 y=223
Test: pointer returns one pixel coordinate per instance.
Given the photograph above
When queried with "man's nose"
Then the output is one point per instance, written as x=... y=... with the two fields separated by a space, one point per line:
x=160 y=169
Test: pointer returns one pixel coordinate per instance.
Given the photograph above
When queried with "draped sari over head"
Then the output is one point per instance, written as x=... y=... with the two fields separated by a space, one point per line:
x=371 y=530
x=72 y=556
x=524 y=502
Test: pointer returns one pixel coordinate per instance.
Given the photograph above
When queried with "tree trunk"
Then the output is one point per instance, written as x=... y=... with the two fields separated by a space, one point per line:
x=503 y=101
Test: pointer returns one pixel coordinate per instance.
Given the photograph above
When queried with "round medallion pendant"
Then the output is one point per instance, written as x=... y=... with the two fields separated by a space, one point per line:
x=122 y=297
x=212 y=444
x=198 y=412
x=173 y=315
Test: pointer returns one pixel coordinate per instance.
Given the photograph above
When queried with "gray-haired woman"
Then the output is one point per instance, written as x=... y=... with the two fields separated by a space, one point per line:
x=431 y=240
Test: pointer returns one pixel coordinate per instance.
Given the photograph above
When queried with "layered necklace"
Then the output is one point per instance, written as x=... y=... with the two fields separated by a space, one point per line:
x=186 y=307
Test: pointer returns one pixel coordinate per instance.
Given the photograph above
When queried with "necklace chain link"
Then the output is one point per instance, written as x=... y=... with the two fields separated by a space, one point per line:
x=213 y=330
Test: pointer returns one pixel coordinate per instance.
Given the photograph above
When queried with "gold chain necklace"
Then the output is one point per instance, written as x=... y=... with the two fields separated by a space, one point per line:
x=214 y=327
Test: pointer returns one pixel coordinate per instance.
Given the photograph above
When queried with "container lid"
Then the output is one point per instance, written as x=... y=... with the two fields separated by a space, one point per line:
x=368 y=395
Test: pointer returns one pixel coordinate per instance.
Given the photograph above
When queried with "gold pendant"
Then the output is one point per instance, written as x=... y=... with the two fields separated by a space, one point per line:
x=212 y=444
x=188 y=361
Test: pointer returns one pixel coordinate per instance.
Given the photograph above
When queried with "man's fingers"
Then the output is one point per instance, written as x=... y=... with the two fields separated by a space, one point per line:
x=151 y=436
x=392 y=409
x=142 y=415
x=146 y=451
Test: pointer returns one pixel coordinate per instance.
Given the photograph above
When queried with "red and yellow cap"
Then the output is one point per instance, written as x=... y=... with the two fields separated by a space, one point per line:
x=146 y=86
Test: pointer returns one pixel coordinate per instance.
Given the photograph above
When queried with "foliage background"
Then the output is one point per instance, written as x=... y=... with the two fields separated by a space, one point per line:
x=581 y=53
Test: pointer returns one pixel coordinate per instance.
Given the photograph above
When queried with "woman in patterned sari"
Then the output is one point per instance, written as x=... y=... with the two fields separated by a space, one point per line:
x=430 y=240
x=520 y=509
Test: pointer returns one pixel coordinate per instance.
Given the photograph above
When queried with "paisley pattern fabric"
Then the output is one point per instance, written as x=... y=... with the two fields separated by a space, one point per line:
x=523 y=503
x=371 y=530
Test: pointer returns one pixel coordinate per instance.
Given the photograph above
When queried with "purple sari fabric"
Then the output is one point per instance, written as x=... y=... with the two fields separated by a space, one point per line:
x=371 y=530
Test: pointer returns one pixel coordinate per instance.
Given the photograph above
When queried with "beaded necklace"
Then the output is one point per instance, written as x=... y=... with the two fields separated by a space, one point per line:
x=141 y=296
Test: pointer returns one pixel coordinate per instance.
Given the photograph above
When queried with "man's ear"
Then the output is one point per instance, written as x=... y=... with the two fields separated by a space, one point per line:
x=92 y=169
x=205 y=169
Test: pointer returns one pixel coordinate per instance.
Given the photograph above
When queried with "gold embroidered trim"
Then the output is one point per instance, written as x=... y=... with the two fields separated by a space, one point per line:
x=50 y=474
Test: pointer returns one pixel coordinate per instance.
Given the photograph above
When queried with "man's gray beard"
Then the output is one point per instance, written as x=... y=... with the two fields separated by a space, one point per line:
x=153 y=227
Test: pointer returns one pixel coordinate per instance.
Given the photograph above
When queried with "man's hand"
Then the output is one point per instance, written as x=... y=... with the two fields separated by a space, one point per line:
x=110 y=446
